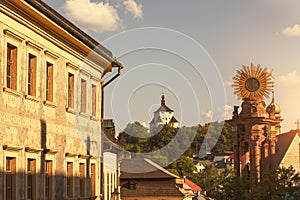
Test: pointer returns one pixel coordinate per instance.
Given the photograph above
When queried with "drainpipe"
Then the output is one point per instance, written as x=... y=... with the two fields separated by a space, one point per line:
x=114 y=64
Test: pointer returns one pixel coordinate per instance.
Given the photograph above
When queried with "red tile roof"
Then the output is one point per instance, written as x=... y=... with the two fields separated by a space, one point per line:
x=192 y=185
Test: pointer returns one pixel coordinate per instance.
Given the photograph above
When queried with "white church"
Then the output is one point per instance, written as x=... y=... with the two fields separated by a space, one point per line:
x=164 y=115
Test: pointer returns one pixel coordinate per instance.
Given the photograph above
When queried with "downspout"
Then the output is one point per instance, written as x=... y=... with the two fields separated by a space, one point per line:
x=113 y=64
x=109 y=69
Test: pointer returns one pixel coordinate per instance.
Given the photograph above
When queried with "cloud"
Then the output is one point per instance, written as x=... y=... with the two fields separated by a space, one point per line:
x=221 y=114
x=289 y=80
x=94 y=16
x=293 y=31
x=227 y=83
x=228 y=111
x=134 y=8
x=207 y=115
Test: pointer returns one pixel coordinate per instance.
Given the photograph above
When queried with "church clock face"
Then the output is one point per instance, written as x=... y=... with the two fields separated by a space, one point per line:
x=253 y=82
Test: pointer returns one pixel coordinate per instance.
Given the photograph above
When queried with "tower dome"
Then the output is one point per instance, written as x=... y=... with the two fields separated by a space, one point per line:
x=273 y=106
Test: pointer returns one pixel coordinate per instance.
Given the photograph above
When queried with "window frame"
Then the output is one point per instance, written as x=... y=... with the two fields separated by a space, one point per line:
x=31 y=184
x=82 y=179
x=48 y=185
x=12 y=151
x=12 y=173
x=49 y=82
x=12 y=38
x=74 y=70
x=93 y=175
x=50 y=156
x=31 y=88
x=11 y=80
x=32 y=74
x=50 y=58
x=94 y=89
x=71 y=90
x=83 y=96
x=69 y=179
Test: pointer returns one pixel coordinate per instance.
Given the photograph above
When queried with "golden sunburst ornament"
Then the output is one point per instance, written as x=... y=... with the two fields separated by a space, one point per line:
x=253 y=82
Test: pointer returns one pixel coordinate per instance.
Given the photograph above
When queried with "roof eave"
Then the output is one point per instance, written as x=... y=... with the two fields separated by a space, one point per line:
x=71 y=28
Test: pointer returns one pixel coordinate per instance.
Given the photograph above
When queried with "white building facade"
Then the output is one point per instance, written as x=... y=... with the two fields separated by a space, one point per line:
x=163 y=116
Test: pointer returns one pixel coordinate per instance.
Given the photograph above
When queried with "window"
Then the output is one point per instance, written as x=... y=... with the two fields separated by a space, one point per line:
x=32 y=75
x=82 y=179
x=31 y=178
x=71 y=90
x=49 y=82
x=48 y=179
x=83 y=95
x=11 y=68
x=94 y=92
x=93 y=179
x=69 y=179
x=10 y=178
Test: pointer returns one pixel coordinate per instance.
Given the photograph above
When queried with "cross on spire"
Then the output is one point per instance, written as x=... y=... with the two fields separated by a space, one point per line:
x=298 y=125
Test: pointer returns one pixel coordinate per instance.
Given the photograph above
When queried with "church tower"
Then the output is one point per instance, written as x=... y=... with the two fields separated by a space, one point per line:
x=255 y=127
x=163 y=115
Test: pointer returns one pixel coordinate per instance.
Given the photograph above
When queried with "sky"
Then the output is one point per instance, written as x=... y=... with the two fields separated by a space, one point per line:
x=189 y=51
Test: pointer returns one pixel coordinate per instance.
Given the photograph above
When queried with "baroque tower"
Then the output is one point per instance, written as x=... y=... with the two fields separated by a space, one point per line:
x=255 y=127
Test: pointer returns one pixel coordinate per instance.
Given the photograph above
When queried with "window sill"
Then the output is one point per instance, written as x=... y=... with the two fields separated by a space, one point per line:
x=83 y=114
x=12 y=91
x=70 y=110
x=49 y=103
x=92 y=117
x=32 y=98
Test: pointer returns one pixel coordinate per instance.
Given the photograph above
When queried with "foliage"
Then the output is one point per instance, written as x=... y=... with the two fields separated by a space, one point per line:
x=212 y=181
x=174 y=142
x=280 y=184
x=134 y=138
x=184 y=167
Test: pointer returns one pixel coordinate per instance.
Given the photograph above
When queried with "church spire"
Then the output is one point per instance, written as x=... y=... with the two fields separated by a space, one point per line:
x=163 y=102
x=273 y=96
x=273 y=105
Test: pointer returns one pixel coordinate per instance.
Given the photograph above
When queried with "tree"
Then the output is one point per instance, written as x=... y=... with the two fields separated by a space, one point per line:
x=184 y=167
x=134 y=138
x=282 y=184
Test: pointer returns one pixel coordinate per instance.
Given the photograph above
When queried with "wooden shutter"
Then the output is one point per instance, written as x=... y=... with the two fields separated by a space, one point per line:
x=71 y=90
x=10 y=178
x=83 y=95
x=32 y=74
x=69 y=179
x=48 y=179
x=94 y=92
x=82 y=179
x=11 y=68
x=14 y=68
x=49 y=82
x=93 y=179
x=31 y=184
